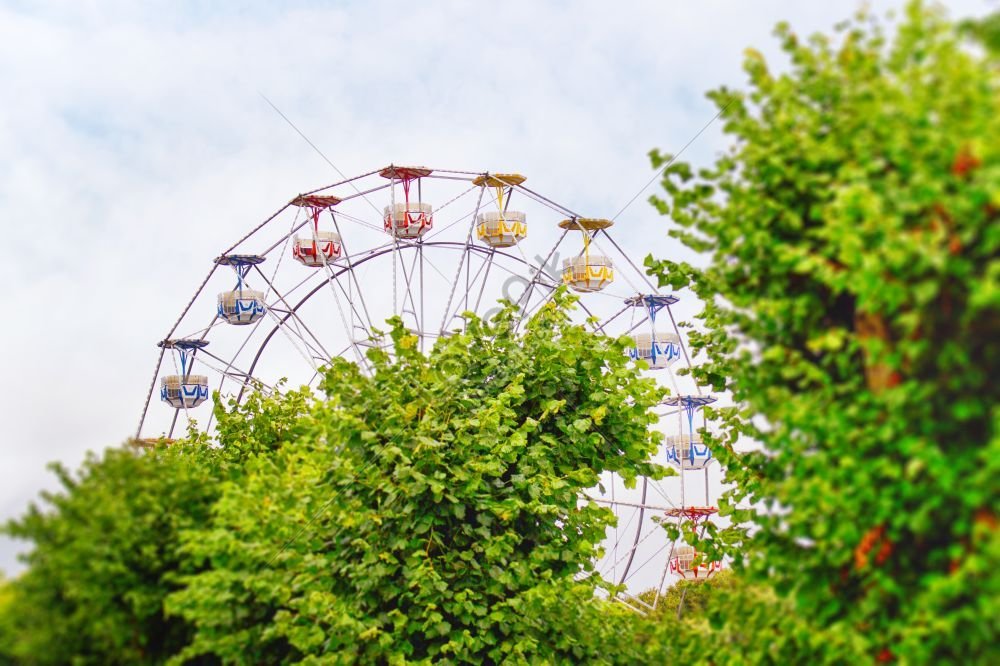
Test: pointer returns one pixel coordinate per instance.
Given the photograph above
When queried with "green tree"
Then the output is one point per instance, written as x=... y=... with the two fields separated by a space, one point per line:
x=852 y=308
x=729 y=620
x=106 y=548
x=985 y=30
x=7 y=632
x=104 y=556
x=430 y=511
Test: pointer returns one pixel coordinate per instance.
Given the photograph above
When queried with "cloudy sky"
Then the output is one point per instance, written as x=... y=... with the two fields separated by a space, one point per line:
x=136 y=145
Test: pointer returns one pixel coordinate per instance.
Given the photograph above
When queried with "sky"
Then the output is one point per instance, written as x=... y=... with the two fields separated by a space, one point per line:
x=136 y=144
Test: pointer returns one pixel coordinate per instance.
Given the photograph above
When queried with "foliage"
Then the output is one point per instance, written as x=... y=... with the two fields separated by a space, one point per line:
x=985 y=30
x=686 y=597
x=429 y=512
x=7 y=634
x=768 y=630
x=852 y=308
x=104 y=557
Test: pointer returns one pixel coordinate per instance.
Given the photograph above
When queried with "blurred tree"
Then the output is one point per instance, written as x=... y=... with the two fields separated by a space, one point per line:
x=852 y=307
x=7 y=634
x=106 y=550
x=105 y=554
x=984 y=30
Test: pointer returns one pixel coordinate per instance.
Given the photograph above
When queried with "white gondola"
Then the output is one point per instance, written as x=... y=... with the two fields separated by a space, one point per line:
x=241 y=306
x=498 y=229
x=589 y=273
x=658 y=352
x=408 y=220
x=323 y=249
x=501 y=227
x=184 y=392
x=686 y=453
x=682 y=564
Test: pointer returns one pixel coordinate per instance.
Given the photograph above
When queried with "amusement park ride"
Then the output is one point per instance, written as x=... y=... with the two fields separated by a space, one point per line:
x=353 y=269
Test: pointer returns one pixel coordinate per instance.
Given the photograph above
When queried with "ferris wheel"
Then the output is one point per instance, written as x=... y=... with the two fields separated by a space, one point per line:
x=317 y=278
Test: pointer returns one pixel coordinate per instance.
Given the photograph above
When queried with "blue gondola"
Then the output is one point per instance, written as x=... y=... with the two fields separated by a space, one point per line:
x=241 y=306
x=686 y=450
x=185 y=390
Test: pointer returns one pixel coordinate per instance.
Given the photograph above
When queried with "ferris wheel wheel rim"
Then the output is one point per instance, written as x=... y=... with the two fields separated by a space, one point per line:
x=453 y=245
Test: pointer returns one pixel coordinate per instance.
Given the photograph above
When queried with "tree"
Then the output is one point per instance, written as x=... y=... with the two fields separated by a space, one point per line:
x=107 y=549
x=105 y=555
x=430 y=511
x=852 y=308
x=986 y=31
x=7 y=634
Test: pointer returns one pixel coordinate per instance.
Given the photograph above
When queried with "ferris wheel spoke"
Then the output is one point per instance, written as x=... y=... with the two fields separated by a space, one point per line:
x=232 y=362
x=253 y=231
x=527 y=310
x=663 y=577
x=642 y=566
x=633 y=602
x=297 y=322
x=345 y=181
x=173 y=424
x=348 y=331
x=630 y=552
x=352 y=278
x=634 y=505
x=360 y=221
x=481 y=275
x=463 y=258
x=631 y=263
x=450 y=202
x=364 y=194
x=610 y=320
x=548 y=203
x=282 y=325
x=283 y=240
x=408 y=281
x=420 y=252
x=292 y=326
x=662 y=493
x=201 y=333
x=149 y=395
x=537 y=271
x=348 y=295
x=435 y=173
x=489 y=264
x=231 y=371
